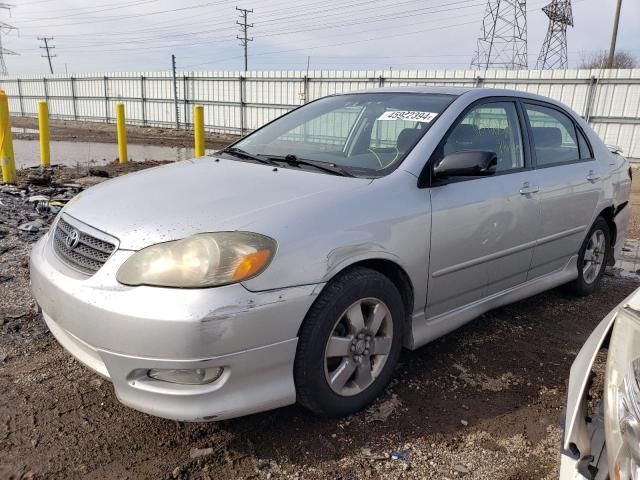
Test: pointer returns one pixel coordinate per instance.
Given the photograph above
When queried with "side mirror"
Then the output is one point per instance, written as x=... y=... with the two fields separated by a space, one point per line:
x=468 y=163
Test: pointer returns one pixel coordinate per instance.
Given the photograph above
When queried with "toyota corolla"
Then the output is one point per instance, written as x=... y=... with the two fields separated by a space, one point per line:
x=296 y=264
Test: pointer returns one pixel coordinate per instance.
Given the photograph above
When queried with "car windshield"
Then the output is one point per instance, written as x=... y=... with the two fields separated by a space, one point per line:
x=361 y=133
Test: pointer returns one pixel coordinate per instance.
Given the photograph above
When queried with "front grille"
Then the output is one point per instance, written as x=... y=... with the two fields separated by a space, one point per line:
x=88 y=255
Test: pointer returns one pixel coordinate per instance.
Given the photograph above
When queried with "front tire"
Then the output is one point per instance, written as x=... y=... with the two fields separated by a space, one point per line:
x=349 y=343
x=592 y=259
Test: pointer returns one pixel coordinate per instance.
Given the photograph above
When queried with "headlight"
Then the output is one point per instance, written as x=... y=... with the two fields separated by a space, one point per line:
x=622 y=398
x=203 y=260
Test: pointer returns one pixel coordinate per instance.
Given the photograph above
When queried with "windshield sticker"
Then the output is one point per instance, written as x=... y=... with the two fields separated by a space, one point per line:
x=425 y=117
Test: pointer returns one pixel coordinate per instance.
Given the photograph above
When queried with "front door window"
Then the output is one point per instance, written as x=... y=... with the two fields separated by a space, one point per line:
x=492 y=127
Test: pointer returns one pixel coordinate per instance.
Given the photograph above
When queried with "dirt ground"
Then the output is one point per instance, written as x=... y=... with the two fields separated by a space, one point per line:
x=106 y=132
x=481 y=403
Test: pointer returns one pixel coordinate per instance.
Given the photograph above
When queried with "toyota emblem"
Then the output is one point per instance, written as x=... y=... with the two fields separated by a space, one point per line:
x=72 y=240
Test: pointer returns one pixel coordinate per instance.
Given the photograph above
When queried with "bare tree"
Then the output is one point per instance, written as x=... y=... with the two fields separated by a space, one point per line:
x=600 y=59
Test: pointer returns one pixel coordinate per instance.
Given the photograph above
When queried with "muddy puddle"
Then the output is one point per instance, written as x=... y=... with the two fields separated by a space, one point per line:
x=27 y=153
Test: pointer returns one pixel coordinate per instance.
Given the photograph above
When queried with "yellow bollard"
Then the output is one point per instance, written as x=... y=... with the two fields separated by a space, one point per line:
x=198 y=129
x=7 y=161
x=122 y=133
x=43 y=124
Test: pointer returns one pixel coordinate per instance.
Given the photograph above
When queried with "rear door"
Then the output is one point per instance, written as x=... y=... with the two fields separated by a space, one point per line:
x=569 y=185
x=483 y=228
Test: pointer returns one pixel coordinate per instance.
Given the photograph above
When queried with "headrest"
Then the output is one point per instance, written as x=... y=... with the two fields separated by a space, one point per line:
x=407 y=138
x=494 y=132
x=465 y=132
x=547 y=136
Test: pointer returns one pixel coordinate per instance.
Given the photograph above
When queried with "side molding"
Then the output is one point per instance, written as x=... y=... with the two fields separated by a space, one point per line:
x=424 y=331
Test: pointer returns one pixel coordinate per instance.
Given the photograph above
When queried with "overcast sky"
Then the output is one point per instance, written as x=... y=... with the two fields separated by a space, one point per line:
x=141 y=35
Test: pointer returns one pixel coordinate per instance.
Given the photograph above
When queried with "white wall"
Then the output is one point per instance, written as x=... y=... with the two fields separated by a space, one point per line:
x=236 y=102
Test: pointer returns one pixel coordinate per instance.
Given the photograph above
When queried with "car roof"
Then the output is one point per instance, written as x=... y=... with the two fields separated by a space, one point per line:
x=470 y=93
x=417 y=89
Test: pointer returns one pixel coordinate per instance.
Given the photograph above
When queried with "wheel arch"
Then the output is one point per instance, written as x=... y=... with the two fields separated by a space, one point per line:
x=394 y=272
x=608 y=214
x=398 y=276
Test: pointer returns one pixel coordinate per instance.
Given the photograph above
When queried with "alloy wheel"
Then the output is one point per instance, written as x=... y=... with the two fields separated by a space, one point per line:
x=358 y=347
x=594 y=256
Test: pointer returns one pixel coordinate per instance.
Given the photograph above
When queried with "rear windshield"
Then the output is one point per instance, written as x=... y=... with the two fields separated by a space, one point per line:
x=365 y=133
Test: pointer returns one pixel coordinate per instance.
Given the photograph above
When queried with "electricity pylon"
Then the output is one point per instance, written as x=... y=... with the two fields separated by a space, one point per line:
x=503 y=39
x=4 y=28
x=554 y=49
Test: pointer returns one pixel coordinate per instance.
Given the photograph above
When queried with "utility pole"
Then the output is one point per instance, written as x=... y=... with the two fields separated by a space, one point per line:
x=175 y=89
x=244 y=27
x=48 y=49
x=614 y=35
x=4 y=28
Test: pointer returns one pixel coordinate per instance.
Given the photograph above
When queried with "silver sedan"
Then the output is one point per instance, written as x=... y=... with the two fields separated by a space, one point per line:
x=297 y=263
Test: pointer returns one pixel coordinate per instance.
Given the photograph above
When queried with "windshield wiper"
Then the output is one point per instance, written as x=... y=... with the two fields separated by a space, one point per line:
x=238 y=152
x=327 y=167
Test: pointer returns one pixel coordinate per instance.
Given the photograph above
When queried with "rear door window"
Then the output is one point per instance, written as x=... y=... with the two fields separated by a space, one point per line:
x=554 y=135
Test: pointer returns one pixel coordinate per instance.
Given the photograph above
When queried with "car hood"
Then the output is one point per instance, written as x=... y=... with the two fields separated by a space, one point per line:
x=202 y=195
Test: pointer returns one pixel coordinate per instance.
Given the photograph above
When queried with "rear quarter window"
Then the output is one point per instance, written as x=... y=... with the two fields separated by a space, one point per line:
x=585 y=148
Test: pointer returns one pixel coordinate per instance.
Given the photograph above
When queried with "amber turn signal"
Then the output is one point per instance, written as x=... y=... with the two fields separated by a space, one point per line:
x=251 y=264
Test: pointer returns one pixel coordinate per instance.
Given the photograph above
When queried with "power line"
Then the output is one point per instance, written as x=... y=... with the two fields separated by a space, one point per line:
x=244 y=27
x=292 y=21
x=377 y=37
x=209 y=23
x=378 y=18
x=553 y=54
x=192 y=44
x=129 y=16
x=317 y=23
x=341 y=44
x=304 y=27
x=85 y=11
x=48 y=49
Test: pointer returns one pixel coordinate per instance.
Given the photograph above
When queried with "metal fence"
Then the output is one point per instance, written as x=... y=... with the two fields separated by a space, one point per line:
x=240 y=102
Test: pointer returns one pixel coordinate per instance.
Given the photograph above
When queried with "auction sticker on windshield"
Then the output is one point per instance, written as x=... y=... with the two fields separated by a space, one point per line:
x=410 y=115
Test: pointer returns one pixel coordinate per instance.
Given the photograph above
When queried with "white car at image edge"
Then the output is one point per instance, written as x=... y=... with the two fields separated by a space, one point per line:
x=606 y=443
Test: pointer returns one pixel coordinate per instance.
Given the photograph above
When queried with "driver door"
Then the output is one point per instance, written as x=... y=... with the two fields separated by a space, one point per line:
x=483 y=228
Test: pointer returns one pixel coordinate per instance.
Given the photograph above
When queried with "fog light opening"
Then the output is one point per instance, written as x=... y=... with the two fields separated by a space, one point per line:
x=184 y=376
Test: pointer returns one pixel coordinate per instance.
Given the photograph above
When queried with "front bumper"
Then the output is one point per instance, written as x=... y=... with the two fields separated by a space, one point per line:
x=583 y=441
x=120 y=332
x=583 y=445
x=593 y=466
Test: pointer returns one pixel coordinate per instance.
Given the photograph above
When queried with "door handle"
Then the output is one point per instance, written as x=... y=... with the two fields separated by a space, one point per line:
x=592 y=177
x=528 y=189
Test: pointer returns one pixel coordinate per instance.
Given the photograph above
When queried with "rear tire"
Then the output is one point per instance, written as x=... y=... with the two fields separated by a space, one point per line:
x=349 y=343
x=592 y=259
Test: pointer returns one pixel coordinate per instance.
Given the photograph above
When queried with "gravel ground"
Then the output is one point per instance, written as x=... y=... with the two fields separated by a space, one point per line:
x=481 y=403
